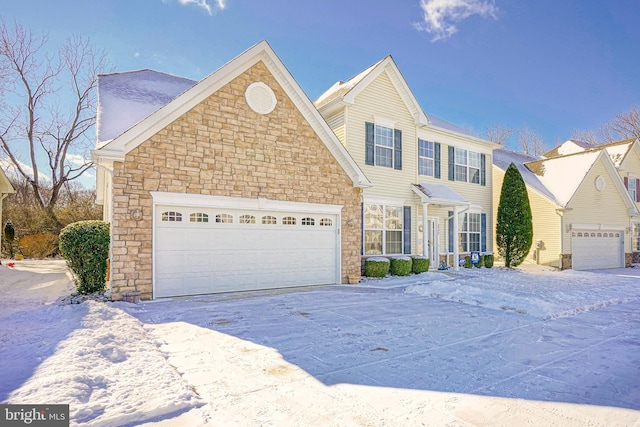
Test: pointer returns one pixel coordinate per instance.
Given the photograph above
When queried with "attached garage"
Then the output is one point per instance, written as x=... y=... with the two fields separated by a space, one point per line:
x=597 y=249
x=209 y=244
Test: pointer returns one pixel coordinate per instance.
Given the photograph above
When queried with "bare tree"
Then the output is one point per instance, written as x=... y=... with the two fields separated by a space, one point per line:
x=47 y=109
x=589 y=137
x=624 y=126
x=531 y=142
x=498 y=134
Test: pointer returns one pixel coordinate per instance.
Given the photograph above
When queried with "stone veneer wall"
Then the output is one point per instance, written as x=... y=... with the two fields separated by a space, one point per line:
x=222 y=147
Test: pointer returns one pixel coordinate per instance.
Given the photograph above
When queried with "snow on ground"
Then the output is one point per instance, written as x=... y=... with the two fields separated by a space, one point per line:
x=476 y=347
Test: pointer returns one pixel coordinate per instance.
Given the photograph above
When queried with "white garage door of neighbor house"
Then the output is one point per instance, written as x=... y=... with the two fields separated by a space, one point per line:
x=597 y=249
x=208 y=250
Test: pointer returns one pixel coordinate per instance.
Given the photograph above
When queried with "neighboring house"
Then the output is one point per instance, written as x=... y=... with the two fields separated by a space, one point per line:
x=231 y=183
x=580 y=207
x=5 y=189
x=432 y=180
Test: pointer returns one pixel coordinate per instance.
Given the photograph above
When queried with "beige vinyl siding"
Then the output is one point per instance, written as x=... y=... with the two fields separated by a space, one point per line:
x=631 y=165
x=336 y=123
x=546 y=223
x=380 y=99
x=590 y=206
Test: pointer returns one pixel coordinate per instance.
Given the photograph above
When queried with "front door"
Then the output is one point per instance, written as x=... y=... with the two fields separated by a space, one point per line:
x=432 y=240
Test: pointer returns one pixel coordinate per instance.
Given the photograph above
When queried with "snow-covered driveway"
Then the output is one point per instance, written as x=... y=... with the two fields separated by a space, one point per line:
x=484 y=347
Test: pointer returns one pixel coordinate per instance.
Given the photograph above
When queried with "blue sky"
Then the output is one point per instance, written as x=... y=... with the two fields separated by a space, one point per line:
x=554 y=66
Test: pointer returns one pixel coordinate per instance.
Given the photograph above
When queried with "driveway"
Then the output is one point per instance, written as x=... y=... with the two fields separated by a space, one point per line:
x=585 y=365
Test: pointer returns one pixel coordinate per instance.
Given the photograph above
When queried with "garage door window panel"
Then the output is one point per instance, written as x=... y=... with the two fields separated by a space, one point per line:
x=199 y=217
x=308 y=221
x=224 y=218
x=172 y=216
x=326 y=222
x=289 y=220
x=247 y=219
x=269 y=220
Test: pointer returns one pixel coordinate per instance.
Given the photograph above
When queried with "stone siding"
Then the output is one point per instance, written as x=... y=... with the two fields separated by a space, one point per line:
x=222 y=147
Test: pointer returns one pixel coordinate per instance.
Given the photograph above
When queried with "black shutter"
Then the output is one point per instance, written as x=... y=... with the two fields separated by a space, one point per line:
x=436 y=160
x=397 y=149
x=452 y=170
x=407 y=230
x=483 y=232
x=370 y=148
x=483 y=169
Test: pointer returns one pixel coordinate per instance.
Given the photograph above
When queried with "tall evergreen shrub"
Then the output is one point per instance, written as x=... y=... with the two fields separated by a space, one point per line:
x=85 y=247
x=514 y=228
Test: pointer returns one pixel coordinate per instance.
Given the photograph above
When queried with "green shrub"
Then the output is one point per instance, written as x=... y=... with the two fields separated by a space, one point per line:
x=467 y=262
x=85 y=247
x=419 y=264
x=401 y=266
x=39 y=245
x=480 y=262
x=376 y=267
x=488 y=260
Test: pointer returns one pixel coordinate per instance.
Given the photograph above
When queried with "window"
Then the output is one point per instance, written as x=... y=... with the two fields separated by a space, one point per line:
x=425 y=157
x=467 y=166
x=269 y=220
x=383 y=229
x=199 y=217
x=633 y=188
x=326 y=222
x=247 y=219
x=224 y=218
x=289 y=220
x=470 y=230
x=383 y=146
x=308 y=221
x=172 y=216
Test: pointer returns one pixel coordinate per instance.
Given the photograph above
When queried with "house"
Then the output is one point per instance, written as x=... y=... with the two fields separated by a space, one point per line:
x=432 y=180
x=5 y=189
x=581 y=210
x=231 y=183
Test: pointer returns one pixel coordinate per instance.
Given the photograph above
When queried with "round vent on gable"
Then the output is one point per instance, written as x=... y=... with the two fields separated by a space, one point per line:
x=260 y=98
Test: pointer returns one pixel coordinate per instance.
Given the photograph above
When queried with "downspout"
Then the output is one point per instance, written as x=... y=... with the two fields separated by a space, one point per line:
x=560 y=212
x=425 y=239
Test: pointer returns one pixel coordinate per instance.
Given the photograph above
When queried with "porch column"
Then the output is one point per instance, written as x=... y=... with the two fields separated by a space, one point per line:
x=425 y=231
x=456 y=238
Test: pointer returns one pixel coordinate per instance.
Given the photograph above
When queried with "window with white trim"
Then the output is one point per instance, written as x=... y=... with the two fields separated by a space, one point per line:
x=247 y=219
x=289 y=220
x=632 y=188
x=383 y=230
x=425 y=157
x=470 y=229
x=326 y=222
x=224 y=218
x=198 y=217
x=384 y=146
x=308 y=221
x=172 y=216
x=269 y=220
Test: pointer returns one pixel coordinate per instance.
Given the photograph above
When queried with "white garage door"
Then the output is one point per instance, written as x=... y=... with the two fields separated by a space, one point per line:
x=201 y=250
x=597 y=249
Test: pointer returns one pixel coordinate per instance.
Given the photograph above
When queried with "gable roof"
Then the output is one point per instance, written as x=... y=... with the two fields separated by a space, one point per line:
x=619 y=150
x=115 y=149
x=129 y=97
x=570 y=146
x=343 y=93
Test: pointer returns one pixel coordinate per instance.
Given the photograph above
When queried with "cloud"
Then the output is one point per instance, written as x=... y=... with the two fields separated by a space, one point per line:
x=12 y=171
x=204 y=4
x=441 y=16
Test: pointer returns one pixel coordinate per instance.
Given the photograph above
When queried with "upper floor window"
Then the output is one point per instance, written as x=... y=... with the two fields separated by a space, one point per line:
x=632 y=187
x=467 y=166
x=383 y=146
x=425 y=157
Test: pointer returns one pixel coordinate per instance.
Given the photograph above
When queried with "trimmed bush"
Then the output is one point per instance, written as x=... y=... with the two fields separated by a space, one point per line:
x=85 y=247
x=376 y=267
x=467 y=262
x=488 y=260
x=419 y=264
x=401 y=266
x=38 y=246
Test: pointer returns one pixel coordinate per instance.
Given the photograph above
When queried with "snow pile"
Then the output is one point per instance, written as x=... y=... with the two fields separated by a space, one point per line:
x=106 y=368
x=543 y=293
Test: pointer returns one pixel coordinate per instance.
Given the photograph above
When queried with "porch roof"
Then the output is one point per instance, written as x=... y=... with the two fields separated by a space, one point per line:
x=439 y=194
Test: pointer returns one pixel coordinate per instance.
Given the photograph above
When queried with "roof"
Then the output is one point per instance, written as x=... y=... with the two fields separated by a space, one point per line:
x=439 y=194
x=503 y=158
x=5 y=185
x=150 y=89
x=344 y=93
x=126 y=98
x=563 y=175
x=570 y=146
x=617 y=150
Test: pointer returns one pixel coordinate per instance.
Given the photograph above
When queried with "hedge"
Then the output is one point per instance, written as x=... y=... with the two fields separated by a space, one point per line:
x=488 y=260
x=401 y=266
x=419 y=264
x=376 y=267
